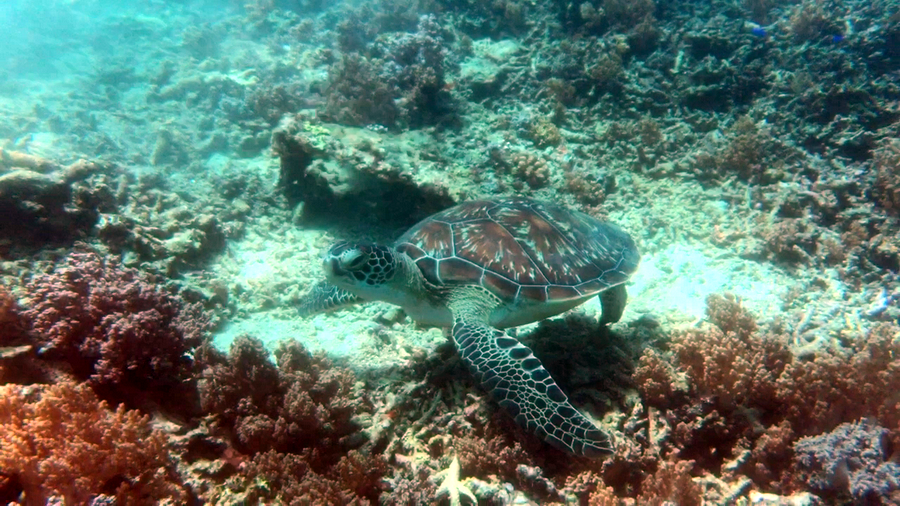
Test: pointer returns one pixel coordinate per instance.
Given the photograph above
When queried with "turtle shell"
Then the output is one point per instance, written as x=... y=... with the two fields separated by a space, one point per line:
x=520 y=248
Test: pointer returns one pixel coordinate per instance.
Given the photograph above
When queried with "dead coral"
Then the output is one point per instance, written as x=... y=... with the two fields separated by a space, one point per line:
x=791 y=240
x=850 y=462
x=12 y=328
x=887 y=179
x=18 y=363
x=42 y=201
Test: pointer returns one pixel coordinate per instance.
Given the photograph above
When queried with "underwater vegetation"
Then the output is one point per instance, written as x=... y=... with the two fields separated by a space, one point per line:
x=172 y=174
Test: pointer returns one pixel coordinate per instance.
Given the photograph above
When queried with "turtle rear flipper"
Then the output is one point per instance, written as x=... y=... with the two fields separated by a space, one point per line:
x=325 y=297
x=516 y=378
x=613 y=303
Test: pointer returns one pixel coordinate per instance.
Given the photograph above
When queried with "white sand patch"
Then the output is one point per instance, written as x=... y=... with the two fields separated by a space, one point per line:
x=678 y=279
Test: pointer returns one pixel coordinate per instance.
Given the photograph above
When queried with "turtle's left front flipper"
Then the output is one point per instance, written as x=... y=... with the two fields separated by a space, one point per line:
x=325 y=297
x=520 y=384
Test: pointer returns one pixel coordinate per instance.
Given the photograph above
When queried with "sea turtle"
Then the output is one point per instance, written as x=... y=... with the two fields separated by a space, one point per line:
x=487 y=265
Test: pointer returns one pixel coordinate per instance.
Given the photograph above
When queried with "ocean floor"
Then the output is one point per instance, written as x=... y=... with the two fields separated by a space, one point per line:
x=171 y=174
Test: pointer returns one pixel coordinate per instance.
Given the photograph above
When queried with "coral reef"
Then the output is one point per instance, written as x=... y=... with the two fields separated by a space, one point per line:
x=116 y=328
x=59 y=443
x=767 y=149
x=399 y=79
x=737 y=393
x=887 y=180
x=42 y=201
x=296 y=422
x=336 y=171
x=850 y=462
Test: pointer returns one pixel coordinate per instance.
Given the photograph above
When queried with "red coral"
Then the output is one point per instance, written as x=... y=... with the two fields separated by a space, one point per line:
x=843 y=386
x=303 y=402
x=114 y=326
x=671 y=483
x=659 y=383
x=290 y=479
x=60 y=440
x=11 y=328
x=749 y=394
x=296 y=418
x=726 y=312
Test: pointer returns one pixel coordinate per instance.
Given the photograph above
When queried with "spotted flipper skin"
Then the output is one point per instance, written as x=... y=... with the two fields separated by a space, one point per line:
x=325 y=297
x=516 y=378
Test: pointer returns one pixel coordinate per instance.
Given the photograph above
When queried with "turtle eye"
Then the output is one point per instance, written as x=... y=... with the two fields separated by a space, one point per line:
x=353 y=260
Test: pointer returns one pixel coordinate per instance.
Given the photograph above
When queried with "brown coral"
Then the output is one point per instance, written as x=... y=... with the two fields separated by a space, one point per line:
x=586 y=189
x=296 y=421
x=60 y=441
x=116 y=327
x=544 y=133
x=530 y=169
x=749 y=394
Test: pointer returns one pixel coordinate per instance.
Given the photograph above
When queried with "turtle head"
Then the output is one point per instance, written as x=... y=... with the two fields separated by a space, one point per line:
x=360 y=267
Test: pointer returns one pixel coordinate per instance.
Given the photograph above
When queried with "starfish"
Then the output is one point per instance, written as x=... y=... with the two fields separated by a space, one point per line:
x=451 y=486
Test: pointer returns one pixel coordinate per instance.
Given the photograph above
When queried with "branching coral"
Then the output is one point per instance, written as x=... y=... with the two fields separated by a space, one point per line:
x=114 y=326
x=749 y=398
x=530 y=169
x=292 y=479
x=297 y=420
x=791 y=240
x=401 y=78
x=357 y=93
x=60 y=441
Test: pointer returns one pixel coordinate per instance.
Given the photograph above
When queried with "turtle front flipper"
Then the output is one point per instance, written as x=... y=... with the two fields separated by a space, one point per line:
x=516 y=378
x=325 y=297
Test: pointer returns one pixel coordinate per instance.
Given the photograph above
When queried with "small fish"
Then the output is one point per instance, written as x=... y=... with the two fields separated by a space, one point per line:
x=758 y=31
x=837 y=38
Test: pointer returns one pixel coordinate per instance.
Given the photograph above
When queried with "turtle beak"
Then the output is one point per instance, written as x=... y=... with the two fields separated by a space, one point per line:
x=332 y=267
